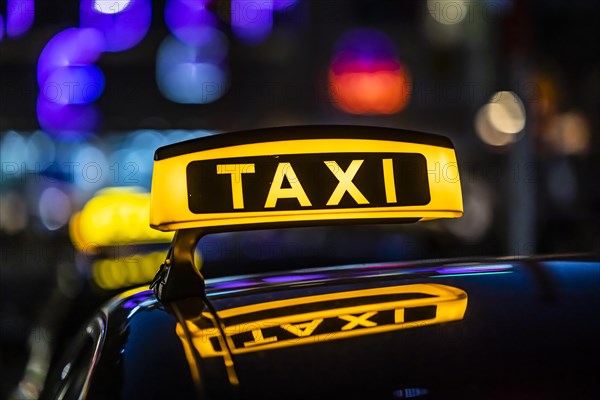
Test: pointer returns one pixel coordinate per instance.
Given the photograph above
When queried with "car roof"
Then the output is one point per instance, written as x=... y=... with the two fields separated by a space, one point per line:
x=502 y=327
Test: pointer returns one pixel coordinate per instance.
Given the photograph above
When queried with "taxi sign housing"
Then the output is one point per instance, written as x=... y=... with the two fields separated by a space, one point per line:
x=294 y=176
x=317 y=174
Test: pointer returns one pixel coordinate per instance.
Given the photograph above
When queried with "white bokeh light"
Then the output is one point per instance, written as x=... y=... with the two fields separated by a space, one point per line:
x=448 y=12
x=55 y=208
x=111 y=6
x=506 y=112
x=501 y=119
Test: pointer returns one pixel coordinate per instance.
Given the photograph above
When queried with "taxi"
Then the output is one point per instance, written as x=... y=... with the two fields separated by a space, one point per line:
x=497 y=328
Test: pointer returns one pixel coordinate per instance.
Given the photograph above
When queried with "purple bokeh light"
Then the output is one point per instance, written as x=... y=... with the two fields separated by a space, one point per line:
x=69 y=121
x=284 y=5
x=70 y=47
x=252 y=21
x=19 y=17
x=366 y=48
x=190 y=21
x=123 y=23
x=69 y=81
x=79 y=84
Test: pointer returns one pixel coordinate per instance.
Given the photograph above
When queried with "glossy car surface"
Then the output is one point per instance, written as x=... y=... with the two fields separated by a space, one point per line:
x=516 y=328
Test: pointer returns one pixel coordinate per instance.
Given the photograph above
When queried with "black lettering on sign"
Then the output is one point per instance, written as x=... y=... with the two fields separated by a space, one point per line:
x=307 y=182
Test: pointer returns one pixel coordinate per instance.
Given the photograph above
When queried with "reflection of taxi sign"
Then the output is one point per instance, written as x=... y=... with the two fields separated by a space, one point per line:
x=304 y=175
x=314 y=319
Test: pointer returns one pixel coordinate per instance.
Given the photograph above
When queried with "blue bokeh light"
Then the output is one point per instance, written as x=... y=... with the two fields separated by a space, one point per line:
x=192 y=74
x=69 y=121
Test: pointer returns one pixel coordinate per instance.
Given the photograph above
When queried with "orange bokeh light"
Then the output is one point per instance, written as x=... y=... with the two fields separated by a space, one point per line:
x=371 y=92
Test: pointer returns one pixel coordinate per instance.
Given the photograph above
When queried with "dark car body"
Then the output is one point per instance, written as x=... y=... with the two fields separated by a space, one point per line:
x=515 y=328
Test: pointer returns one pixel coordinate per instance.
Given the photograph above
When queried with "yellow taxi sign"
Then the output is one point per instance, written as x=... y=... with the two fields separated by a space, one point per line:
x=304 y=175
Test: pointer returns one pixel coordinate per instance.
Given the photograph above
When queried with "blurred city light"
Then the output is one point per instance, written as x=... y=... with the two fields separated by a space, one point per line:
x=126 y=271
x=13 y=213
x=443 y=35
x=366 y=76
x=20 y=154
x=13 y=151
x=191 y=21
x=129 y=268
x=193 y=74
x=69 y=82
x=507 y=113
x=71 y=47
x=569 y=133
x=486 y=131
x=67 y=121
x=40 y=150
x=252 y=21
x=448 y=12
x=78 y=84
x=92 y=166
x=19 y=17
x=122 y=23
x=500 y=120
x=284 y=5
x=136 y=158
x=110 y=6
x=54 y=208
x=100 y=223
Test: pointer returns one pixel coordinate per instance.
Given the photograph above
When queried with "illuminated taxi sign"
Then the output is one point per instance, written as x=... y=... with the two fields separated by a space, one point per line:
x=320 y=318
x=304 y=175
x=287 y=183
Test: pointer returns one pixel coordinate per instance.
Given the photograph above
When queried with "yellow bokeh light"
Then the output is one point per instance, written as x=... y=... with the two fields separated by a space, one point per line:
x=115 y=217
